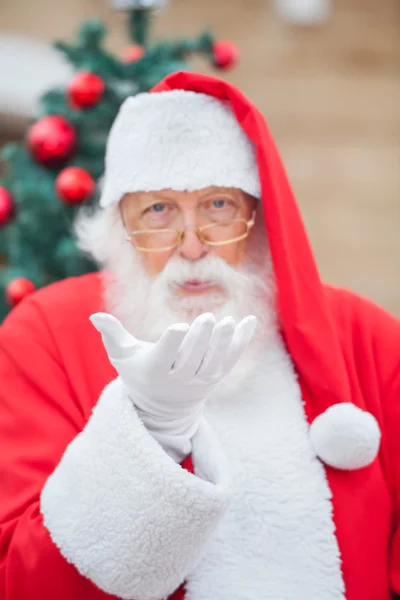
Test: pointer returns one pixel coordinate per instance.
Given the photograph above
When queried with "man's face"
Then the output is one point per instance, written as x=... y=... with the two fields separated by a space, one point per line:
x=225 y=209
x=149 y=291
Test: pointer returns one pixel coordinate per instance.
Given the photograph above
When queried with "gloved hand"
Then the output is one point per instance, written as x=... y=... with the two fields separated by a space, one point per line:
x=168 y=381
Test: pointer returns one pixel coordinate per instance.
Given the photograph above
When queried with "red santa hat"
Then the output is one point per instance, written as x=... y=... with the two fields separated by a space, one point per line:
x=194 y=131
x=178 y=140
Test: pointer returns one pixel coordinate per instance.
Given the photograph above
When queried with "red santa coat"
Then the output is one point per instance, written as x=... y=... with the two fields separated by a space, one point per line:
x=53 y=369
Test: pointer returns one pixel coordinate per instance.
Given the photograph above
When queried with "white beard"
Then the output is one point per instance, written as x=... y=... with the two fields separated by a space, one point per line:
x=146 y=306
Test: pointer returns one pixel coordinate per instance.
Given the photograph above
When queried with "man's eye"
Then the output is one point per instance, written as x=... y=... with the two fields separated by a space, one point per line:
x=158 y=208
x=219 y=203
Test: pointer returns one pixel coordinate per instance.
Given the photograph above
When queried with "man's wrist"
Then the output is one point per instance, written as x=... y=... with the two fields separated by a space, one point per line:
x=174 y=435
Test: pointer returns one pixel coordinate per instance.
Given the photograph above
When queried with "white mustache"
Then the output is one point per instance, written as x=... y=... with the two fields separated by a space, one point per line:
x=211 y=269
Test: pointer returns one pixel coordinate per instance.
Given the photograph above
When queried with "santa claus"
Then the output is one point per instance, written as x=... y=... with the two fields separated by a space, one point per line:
x=204 y=419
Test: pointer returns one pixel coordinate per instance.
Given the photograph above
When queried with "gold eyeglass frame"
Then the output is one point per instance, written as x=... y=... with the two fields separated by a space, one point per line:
x=180 y=234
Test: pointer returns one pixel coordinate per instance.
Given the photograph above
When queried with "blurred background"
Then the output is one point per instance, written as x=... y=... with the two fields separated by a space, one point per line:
x=326 y=75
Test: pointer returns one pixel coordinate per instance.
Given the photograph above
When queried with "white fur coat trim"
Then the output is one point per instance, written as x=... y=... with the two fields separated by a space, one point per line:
x=277 y=539
x=123 y=512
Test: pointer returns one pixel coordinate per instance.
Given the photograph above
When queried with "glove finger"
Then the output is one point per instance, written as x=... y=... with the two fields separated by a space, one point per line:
x=220 y=342
x=241 y=339
x=166 y=349
x=194 y=347
x=118 y=342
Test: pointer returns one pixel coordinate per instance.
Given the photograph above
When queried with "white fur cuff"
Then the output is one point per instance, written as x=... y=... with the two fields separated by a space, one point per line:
x=123 y=512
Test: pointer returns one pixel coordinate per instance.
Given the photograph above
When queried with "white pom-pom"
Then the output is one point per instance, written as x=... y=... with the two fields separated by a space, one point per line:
x=345 y=437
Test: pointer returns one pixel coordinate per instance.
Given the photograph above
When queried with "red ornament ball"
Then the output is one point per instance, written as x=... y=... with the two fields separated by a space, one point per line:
x=51 y=140
x=225 y=54
x=74 y=185
x=18 y=289
x=133 y=53
x=6 y=206
x=85 y=90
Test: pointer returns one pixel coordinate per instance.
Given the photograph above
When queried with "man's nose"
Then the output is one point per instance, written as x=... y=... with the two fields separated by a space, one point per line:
x=192 y=248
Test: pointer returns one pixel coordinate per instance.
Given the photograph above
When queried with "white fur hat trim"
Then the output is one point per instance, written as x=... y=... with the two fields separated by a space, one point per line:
x=178 y=140
x=345 y=437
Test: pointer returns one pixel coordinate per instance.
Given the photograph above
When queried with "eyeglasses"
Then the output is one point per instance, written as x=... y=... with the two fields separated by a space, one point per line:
x=213 y=234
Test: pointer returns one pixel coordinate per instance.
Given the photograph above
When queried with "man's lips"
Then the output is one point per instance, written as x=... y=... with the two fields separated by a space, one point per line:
x=195 y=285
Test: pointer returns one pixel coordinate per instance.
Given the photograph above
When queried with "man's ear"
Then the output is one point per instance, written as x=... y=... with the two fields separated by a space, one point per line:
x=121 y=210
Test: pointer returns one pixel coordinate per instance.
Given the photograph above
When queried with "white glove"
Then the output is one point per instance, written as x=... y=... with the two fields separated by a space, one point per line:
x=169 y=380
